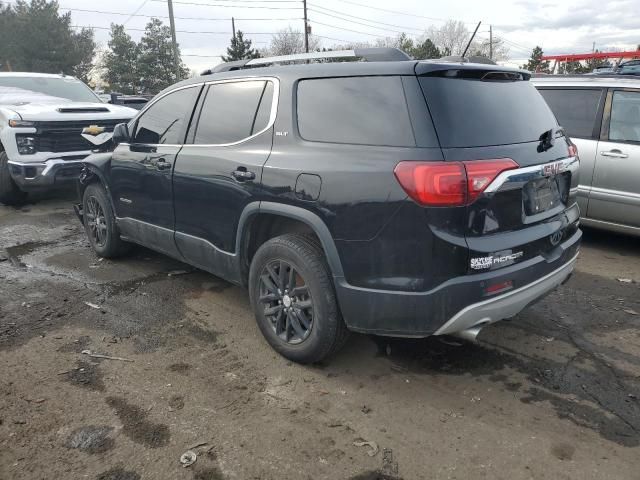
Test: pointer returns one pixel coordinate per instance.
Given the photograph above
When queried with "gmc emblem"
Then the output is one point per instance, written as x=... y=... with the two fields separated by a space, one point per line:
x=552 y=169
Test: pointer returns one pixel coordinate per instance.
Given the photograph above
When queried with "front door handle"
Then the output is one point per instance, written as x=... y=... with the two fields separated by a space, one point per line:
x=162 y=164
x=615 y=153
x=242 y=175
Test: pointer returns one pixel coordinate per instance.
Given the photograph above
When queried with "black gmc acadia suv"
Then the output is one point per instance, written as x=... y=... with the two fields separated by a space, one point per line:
x=387 y=196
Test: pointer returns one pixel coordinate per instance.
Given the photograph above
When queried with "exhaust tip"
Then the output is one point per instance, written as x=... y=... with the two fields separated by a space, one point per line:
x=470 y=334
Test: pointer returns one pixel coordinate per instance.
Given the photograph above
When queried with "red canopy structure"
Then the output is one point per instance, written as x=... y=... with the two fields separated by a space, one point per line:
x=577 y=57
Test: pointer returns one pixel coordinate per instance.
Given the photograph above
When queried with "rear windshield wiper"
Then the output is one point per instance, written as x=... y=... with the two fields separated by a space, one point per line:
x=548 y=139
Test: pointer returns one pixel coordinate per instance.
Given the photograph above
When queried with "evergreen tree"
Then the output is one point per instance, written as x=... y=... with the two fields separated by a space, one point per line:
x=425 y=50
x=240 y=49
x=120 y=62
x=35 y=37
x=156 y=63
x=535 y=63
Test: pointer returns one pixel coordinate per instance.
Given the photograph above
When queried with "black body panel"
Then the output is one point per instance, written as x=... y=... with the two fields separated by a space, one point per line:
x=398 y=267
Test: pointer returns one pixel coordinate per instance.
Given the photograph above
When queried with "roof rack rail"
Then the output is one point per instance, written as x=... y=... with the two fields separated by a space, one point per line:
x=367 y=54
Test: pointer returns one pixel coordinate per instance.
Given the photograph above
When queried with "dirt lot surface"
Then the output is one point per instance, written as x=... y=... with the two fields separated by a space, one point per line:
x=552 y=394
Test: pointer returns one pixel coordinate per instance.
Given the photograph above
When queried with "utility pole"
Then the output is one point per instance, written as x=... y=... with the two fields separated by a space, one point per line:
x=490 y=42
x=306 y=28
x=174 y=44
x=233 y=28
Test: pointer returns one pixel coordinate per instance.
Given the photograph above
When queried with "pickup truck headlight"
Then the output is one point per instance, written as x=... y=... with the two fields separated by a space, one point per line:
x=26 y=144
x=21 y=124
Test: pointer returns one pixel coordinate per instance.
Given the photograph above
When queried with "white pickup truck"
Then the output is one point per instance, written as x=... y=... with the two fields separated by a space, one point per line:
x=47 y=124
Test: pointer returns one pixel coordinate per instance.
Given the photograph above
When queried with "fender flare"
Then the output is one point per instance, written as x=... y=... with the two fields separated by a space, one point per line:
x=296 y=213
x=94 y=166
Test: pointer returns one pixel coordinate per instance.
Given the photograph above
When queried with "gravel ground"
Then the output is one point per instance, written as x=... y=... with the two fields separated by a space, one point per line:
x=554 y=393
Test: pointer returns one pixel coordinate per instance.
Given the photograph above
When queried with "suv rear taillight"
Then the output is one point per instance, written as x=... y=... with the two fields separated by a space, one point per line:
x=449 y=184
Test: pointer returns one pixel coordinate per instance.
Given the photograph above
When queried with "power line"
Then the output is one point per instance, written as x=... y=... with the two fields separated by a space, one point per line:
x=136 y=11
x=354 y=21
x=362 y=18
x=402 y=13
x=179 y=18
x=234 y=6
x=199 y=32
x=347 y=29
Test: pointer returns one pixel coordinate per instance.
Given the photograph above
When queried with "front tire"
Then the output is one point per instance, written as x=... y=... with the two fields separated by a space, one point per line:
x=100 y=223
x=293 y=299
x=10 y=194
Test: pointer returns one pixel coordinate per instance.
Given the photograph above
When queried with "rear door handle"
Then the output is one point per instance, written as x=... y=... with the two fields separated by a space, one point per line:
x=614 y=153
x=243 y=175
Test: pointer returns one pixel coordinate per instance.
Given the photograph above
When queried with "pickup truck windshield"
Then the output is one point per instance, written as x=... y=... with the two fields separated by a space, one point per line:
x=68 y=88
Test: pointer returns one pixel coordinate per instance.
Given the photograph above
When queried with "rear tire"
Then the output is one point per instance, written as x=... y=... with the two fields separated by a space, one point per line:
x=100 y=223
x=294 y=301
x=10 y=194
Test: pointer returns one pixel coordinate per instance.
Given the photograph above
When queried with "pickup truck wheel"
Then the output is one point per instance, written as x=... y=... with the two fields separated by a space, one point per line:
x=293 y=299
x=100 y=223
x=10 y=194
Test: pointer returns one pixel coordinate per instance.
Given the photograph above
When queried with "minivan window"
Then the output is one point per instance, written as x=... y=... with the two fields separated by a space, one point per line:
x=356 y=110
x=575 y=109
x=164 y=121
x=474 y=112
x=234 y=111
x=625 y=117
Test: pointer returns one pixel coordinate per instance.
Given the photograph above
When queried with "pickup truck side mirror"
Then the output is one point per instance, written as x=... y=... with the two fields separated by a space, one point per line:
x=121 y=134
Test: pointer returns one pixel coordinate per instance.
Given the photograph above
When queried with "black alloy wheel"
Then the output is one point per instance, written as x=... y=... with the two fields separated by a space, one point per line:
x=96 y=222
x=287 y=302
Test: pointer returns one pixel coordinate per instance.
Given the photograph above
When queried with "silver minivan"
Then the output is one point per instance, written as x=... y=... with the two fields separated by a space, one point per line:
x=601 y=114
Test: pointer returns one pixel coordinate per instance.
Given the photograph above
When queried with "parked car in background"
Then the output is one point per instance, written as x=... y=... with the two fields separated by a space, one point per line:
x=42 y=118
x=396 y=197
x=131 y=101
x=601 y=114
x=631 y=67
x=604 y=70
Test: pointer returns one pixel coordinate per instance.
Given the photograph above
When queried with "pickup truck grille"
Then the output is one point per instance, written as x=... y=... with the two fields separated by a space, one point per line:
x=61 y=137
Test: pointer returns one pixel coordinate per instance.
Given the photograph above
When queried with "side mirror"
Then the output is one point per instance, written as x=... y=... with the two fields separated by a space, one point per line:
x=121 y=134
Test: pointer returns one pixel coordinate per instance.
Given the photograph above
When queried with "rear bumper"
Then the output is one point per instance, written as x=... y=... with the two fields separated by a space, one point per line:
x=459 y=304
x=53 y=172
x=506 y=305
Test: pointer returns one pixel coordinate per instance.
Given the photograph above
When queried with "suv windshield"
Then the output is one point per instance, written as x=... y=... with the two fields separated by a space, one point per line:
x=69 y=88
x=476 y=113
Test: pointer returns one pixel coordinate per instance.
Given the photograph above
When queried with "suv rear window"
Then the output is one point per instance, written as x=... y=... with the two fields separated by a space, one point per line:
x=575 y=109
x=356 y=110
x=471 y=112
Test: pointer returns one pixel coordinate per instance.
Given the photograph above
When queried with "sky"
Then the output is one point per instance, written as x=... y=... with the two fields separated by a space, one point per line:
x=204 y=26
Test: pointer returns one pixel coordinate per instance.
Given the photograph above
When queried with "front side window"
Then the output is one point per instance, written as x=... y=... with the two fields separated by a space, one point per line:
x=576 y=110
x=625 y=117
x=234 y=111
x=164 y=121
x=356 y=110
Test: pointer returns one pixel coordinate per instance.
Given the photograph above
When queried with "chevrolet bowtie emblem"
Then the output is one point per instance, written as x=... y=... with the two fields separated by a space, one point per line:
x=93 y=130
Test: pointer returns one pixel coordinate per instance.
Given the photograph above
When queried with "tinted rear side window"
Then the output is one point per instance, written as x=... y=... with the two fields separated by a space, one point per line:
x=576 y=110
x=356 y=110
x=473 y=113
x=233 y=111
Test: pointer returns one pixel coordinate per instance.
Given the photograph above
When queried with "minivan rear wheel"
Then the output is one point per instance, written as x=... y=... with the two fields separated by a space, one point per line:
x=293 y=299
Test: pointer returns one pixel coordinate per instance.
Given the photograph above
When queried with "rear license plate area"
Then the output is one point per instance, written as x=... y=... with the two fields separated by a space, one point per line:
x=542 y=194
